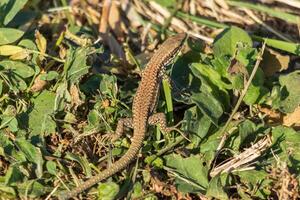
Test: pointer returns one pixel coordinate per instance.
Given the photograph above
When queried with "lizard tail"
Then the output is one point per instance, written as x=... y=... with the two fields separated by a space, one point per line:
x=131 y=153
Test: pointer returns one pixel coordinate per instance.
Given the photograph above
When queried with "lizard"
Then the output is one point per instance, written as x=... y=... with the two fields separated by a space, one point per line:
x=143 y=114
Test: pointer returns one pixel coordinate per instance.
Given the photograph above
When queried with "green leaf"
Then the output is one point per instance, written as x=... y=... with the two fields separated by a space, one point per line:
x=290 y=95
x=287 y=143
x=9 y=35
x=195 y=179
x=209 y=106
x=7 y=192
x=40 y=120
x=108 y=85
x=154 y=161
x=252 y=95
x=32 y=189
x=62 y=96
x=227 y=42
x=13 y=125
x=19 y=68
x=246 y=128
x=49 y=76
x=137 y=190
x=255 y=183
x=75 y=66
x=93 y=118
x=13 y=175
x=11 y=8
x=91 y=85
x=200 y=69
x=211 y=83
x=108 y=191
x=196 y=124
x=32 y=153
x=8 y=50
x=215 y=189
x=51 y=167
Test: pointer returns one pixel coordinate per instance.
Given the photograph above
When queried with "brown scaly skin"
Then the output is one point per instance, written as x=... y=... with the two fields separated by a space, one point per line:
x=143 y=105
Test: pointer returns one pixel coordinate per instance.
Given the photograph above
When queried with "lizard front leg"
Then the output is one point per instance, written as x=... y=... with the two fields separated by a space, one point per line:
x=122 y=123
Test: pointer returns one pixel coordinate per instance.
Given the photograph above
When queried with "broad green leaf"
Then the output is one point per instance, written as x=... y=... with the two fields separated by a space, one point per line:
x=195 y=179
x=108 y=85
x=19 y=68
x=212 y=83
x=9 y=35
x=215 y=189
x=7 y=192
x=9 y=119
x=93 y=118
x=40 y=120
x=51 y=167
x=75 y=66
x=212 y=142
x=252 y=95
x=62 y=96
x=92 y=84
x=32 y=153
x=154 y=161
x=17 y=83
x=108 y=191
x=13 y=125
x=200 y=69
x=49 y=76
x=13 y=175
x=8 y=50
x=196 y=124
x=290 y=95
x=246 y=128
x=12 y=8
x=288 y=142
x=220 y=64
x=227 y=42
x=209 y=106
x=137 y=190
x=183 y=78
x=33 y=189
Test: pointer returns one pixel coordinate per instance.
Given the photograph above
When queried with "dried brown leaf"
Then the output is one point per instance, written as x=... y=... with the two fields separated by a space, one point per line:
x=114 y=20
x=273 y=62
x=76 y=101
x=38 y=84
x=292 y=118
x=41 y=43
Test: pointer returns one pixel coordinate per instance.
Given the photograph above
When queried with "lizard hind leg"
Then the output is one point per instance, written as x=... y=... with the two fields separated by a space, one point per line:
x=160 y=119
x=119 y=132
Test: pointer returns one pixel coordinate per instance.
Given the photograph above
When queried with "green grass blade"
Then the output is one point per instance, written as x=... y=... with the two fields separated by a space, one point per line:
x=272 y=12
